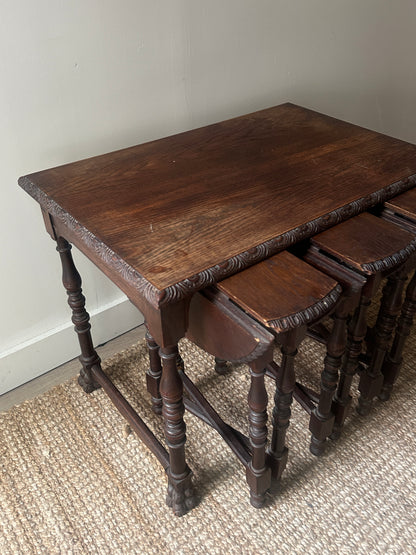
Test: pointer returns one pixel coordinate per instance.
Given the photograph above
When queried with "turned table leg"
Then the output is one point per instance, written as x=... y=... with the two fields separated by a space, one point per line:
x=257 y=473
x=154 y=373
x=277 y=453
x=393 y=360
x=371 y=381
x=180 y=496
x=80 y=317
x=356 y=334
x=322 y=418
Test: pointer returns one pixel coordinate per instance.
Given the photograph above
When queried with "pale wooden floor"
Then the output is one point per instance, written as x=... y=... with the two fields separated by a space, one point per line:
x=62 y=373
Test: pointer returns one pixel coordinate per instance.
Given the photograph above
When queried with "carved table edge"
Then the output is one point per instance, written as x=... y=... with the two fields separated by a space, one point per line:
x=391 y=261
x=109 y=257
x=182 y=289
x=310 y=314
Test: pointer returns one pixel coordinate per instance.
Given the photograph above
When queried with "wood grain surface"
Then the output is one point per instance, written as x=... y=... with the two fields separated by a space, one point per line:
x=404 y=204
x=281 y=287
x=175 y=208
x=365 y=242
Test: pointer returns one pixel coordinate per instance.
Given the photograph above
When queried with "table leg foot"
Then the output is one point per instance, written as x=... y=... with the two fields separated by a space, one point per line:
x=181 y=495
x=221 y=366
x=370 y=386
x=364 y=407
x=259 y=482
x=84 y=380
x=321 y=429
x=385 y=392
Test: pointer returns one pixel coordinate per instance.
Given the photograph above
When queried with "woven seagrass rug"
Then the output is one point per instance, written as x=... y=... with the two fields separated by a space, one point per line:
x=75 y=480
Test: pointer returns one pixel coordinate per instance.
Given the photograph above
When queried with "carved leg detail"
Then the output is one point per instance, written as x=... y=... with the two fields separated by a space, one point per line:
x=154 y=373
x=220 y=366
x=322 y=418
x=80 y=317
x=257 y=473
x=370 y=338
x=180 y=496
x=356 y=334
x=277 y=453
x=393 y=360
x=371 y=380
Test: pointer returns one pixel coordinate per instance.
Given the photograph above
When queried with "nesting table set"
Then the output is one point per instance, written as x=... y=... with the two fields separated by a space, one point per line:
x=168 y=220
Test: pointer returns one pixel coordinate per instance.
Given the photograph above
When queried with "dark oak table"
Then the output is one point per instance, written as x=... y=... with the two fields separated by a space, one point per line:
x=169 y=217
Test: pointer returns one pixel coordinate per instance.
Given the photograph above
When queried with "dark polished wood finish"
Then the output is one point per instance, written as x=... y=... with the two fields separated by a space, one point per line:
x=282 y=292
x=91 y=376
x=174 y=215
x=80 y=317
x=404 y=205
x=285 y=385
x=402 y=211
x=367 y=244
x=181 y=496
x=225 y=331
x=323 y=418
x=285 y=294
x=165 y=219
x=394 y=358
x=374 y=248
x=381 y=335
x=335 y=339
x=221 y=329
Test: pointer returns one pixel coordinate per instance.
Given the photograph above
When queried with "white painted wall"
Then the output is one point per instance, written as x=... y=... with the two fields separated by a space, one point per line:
x=82 y=77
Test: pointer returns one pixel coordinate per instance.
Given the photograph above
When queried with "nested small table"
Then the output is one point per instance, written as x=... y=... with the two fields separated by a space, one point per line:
x=169 y=217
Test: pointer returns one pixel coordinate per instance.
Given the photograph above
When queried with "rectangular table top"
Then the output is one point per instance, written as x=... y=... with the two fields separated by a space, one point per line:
x=181 y=212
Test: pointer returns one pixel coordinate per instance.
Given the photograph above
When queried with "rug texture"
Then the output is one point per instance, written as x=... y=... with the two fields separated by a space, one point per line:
x=74 y=479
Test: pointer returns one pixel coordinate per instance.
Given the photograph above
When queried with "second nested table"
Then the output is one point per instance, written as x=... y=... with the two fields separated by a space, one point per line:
x=167 y=218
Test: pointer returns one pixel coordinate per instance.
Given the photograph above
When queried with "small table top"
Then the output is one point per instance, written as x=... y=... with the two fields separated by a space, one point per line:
x=404 y=204
x=179 y=213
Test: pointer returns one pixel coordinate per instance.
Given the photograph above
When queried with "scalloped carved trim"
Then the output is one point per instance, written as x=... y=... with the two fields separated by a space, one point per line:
x=390 y=261
x=310 y=314
x=131 y=276
x=185 y=288
x=247 y=258
x=260 y=349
